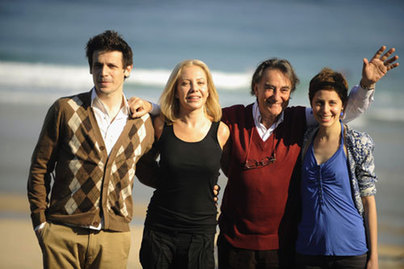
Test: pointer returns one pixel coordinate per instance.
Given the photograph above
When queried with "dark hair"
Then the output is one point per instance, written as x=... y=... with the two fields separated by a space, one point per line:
x=329 y=79
x=109 y=41
x=280 y=64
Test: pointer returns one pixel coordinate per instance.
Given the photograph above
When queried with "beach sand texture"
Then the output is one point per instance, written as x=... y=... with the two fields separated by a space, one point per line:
x=19 y=248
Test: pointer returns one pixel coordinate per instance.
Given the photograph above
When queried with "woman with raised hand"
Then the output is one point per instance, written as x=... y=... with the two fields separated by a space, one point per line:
x=181 y=219
x=338 y=228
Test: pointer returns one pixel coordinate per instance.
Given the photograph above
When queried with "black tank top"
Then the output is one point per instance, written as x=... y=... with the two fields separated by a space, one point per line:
x=183 y=200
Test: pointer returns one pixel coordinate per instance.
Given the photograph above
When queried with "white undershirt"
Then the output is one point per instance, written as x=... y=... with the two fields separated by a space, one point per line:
x=110 y=128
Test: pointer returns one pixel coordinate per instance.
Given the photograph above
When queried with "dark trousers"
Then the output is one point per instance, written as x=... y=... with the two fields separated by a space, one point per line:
x=173 y=250
x=334 y=262
x=237 y=258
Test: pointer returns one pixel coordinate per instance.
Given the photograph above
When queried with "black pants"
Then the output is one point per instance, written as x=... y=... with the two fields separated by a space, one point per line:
x=238 y=258
x=169 y=250
x=334 y=262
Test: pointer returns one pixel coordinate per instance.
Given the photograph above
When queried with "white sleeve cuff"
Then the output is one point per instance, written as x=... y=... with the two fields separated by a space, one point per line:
x=155 y=109
x=364 y=93
x=40 y=226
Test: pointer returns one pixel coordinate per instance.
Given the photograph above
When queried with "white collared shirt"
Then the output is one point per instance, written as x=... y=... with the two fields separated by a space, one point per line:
x=110 y=128
x=261 y=129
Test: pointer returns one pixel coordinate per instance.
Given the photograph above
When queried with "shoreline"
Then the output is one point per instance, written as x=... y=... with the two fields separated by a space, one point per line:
x=18 y=237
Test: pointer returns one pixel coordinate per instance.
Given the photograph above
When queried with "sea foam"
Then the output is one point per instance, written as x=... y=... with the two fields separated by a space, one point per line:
x=48 y=76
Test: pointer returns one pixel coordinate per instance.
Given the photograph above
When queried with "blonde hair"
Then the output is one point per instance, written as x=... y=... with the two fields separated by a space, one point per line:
x=170 y=105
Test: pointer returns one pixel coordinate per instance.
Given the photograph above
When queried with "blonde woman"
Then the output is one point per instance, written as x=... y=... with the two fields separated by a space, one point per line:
x=181 y=218
x=339 y=220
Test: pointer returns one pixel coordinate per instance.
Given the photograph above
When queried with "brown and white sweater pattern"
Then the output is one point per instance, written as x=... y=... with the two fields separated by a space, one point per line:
x=87 y=183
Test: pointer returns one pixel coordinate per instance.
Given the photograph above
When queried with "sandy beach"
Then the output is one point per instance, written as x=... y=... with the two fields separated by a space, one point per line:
x=19 y=248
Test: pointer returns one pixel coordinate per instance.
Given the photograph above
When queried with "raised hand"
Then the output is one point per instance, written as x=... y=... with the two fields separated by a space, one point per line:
x=377 y=67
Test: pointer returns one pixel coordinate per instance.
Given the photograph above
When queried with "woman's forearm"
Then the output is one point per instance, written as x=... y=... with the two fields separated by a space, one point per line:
x=369 y=204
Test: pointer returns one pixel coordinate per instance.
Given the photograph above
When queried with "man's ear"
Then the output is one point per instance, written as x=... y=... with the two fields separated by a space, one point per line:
x=127 y=71
x=255 y=89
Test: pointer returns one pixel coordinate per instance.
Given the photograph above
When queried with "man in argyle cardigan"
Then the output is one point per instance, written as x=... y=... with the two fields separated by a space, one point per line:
x=83 y=166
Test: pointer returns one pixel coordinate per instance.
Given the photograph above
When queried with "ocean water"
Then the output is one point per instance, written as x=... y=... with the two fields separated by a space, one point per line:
x=42 y=57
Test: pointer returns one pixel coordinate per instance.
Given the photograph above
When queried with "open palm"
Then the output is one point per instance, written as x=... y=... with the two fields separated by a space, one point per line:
x=378 y=66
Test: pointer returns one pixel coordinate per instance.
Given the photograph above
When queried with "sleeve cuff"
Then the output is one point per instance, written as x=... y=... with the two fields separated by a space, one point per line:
x=155 y=109
x=366 y=93
x=40 y=226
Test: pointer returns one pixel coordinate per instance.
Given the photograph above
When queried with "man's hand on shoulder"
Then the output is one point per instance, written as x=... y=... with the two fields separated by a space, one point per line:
x=216 y=190
x=139 y=107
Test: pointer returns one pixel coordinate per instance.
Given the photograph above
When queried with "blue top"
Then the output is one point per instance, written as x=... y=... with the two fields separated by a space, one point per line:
x=331 y=224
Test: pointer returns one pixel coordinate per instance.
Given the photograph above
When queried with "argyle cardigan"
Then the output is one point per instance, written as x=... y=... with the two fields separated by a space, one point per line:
x=361 y=165
x=87 y=183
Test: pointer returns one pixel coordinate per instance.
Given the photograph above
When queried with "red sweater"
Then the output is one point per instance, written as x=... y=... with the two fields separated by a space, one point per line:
x=260 y=206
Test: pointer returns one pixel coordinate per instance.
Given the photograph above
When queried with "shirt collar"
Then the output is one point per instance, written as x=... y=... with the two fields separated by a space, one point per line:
x=257 y=118
x=97 y=103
